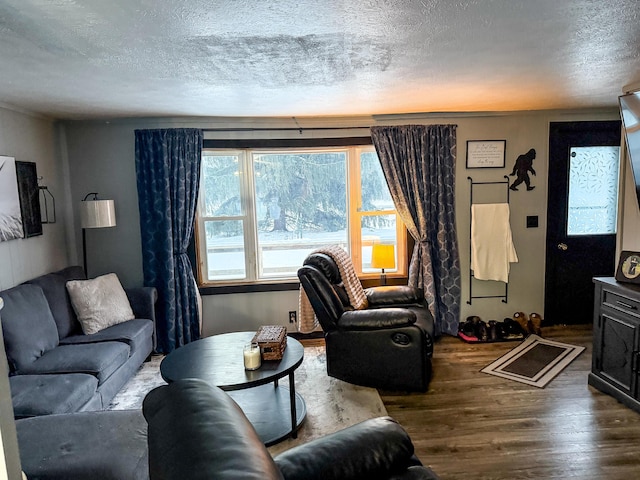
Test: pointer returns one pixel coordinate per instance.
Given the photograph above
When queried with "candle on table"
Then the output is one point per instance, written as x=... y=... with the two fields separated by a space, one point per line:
x=252 y=360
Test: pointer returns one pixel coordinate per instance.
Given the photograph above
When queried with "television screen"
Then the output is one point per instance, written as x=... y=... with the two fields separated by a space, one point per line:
x=630 y=113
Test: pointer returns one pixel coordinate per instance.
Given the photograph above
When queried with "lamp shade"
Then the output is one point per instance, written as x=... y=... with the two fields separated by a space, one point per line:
x=383 y=256
x=97 y=214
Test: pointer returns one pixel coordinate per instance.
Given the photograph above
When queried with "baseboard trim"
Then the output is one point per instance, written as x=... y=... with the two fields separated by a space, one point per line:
x=306 y=336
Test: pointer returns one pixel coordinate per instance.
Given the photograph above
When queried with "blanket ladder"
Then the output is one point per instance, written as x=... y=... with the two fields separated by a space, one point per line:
x=505 y=296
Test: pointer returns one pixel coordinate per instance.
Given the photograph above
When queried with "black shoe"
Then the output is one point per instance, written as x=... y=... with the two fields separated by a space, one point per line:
x=513 y=187
x=482 y=331
x=500 y=329
x=512 y=329
x=530 y=188
x=495 y=331
x=468 y=328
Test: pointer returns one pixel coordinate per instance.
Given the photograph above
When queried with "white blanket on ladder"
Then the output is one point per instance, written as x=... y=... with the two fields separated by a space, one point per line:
x=492 y=249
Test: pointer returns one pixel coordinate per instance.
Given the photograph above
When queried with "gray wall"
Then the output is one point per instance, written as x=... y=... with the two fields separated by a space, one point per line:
x=76 y=158
x=101 y=158
x=9 y=456
x=34 y=139
x=629 y=232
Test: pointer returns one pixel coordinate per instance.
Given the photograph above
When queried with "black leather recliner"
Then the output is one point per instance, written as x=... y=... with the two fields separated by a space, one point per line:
x=388 y=345
x=196 y=431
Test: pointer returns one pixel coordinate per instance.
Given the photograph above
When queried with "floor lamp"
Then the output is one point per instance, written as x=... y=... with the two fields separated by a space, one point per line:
x=95 y=213
x=383 y=256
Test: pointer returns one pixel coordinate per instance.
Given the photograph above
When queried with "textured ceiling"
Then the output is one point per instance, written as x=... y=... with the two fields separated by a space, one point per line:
x=115 y=58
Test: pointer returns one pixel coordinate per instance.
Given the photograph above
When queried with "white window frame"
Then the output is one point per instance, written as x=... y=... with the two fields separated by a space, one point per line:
x=247 y=190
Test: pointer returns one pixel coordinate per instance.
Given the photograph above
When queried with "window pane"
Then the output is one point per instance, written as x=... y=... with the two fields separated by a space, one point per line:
x=375 y=193
x=221 y=185
x=377 y=229
x=225 y=250
x=593 y=190
x=301 y=204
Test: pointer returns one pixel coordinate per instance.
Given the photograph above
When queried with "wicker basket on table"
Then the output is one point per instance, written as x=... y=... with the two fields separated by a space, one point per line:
x=272 y=340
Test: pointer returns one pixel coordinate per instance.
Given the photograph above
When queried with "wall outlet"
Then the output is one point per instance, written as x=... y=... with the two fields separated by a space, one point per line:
x=293 y=316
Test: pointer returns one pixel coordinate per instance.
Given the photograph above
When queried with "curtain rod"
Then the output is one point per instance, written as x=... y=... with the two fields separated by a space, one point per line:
x=279 y=129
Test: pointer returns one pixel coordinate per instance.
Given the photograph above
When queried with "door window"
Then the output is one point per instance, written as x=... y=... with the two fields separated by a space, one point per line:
x=593 y=190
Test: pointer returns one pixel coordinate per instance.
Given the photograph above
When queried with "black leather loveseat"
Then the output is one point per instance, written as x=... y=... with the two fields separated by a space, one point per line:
x=197 y=431
x=387 y=345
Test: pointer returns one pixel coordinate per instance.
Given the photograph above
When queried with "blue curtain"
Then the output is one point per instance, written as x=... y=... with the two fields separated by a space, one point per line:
x=419 y=164
x=168 y=177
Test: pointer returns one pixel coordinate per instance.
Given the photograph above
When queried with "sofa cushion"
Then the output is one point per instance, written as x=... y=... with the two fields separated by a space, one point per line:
x=99 y=303
x=54 y=287
x=28 y=326
x=34 y=395
x=133 y=332
x=98 y=359
x=107 y=445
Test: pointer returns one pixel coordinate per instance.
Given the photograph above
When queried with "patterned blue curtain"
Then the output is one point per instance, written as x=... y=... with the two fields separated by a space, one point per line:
x=419 y=164
x=168 y=177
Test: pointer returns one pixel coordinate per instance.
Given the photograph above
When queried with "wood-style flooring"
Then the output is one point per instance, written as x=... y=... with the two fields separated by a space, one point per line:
x=470 y=425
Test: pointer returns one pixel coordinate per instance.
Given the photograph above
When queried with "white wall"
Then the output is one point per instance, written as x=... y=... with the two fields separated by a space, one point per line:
x=101 y=158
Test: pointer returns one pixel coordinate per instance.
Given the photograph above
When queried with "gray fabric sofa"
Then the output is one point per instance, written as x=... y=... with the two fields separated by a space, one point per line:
x=107 y=445
x=54 y=367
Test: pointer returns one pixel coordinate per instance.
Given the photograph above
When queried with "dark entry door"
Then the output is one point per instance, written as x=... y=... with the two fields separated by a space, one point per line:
x=581 y=216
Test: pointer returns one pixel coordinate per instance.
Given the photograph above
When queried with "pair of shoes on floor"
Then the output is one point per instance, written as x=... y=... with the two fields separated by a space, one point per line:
x=529 y=324
x=513 y=329
x=474 y=329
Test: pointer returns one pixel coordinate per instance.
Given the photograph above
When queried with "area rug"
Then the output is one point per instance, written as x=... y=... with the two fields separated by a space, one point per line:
x=331 y=404
x=536 y=361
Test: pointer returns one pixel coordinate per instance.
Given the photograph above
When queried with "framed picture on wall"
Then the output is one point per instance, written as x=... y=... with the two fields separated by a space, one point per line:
x=628 y=267
x=486 y=153
x=10 y=218
x=29 y=198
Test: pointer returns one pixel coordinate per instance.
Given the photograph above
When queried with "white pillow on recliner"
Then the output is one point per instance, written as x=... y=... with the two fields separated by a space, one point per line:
x=99 y=303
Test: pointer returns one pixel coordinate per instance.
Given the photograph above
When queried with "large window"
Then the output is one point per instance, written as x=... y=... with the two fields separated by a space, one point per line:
x=261 y=212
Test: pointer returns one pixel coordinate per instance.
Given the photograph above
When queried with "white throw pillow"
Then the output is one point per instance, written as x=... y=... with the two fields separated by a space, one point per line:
x=99 y=303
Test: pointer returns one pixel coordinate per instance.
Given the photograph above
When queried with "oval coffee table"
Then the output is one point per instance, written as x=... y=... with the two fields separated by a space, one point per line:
x=275 y=411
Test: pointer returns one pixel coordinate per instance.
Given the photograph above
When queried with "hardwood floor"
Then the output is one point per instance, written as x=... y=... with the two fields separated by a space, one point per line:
x=471 y=425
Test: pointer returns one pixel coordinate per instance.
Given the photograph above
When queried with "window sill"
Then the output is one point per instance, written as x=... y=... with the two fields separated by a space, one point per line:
x=248 y=288
x=209 y=289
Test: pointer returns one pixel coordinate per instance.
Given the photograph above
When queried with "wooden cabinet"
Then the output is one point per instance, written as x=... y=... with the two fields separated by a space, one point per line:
x=616 y=341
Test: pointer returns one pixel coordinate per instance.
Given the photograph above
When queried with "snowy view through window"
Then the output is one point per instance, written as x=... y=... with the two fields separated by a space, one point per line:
x=290 y=204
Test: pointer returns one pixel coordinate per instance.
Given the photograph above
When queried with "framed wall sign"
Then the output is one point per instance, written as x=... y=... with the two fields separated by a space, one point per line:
x=628 y=267
x=486 y=153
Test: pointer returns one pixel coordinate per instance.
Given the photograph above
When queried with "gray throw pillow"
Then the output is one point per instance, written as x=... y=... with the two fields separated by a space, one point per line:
x=99 y=303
